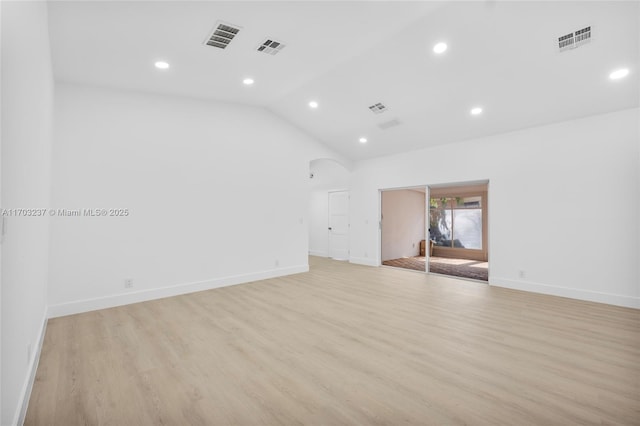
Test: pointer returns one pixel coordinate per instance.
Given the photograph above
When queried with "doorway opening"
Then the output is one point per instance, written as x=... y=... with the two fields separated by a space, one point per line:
x=328 y=209
x=440 y=229
x=403 y=241
x=458 y=225
x=338 y=225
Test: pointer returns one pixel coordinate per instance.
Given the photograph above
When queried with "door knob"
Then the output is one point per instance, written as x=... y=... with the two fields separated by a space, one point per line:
x=330 y=228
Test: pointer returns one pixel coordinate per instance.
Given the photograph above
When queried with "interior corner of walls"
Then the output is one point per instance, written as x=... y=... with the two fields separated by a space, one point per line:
x=121 y=299
x=572 y=293
x=25 y=395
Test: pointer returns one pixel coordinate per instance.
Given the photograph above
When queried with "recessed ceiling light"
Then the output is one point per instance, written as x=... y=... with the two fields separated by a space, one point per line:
x=476 y=111
x=313 y=104
x=618 y=74
x=440 y=48
x=162 y=65
x=248 y=81
x=363 y=140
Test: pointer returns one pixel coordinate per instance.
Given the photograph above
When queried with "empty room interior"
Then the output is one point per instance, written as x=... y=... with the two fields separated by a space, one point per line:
x=200 y=200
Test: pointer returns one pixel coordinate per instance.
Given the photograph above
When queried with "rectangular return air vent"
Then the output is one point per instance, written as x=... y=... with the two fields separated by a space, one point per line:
x=378 y=108
x=222 y=35
x=271 y=47
x=388 y=124
x=574 y=39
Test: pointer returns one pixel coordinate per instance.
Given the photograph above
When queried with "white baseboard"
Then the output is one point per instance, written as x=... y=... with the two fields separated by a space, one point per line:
x=87 y=305
x=25 y=394
x=318 y=253
x=363 y=261
x=591 y=296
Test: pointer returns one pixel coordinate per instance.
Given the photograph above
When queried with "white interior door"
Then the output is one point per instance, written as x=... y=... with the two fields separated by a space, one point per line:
x=339 y=225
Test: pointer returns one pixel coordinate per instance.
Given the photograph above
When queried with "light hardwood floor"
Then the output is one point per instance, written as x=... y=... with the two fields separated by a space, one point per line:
x=343 y=344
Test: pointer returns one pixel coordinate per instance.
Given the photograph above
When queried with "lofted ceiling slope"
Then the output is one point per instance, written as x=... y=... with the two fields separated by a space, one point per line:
x=347 y=56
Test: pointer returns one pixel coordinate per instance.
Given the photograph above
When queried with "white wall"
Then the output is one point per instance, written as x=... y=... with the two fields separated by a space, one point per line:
x=403 y=227
x=563 y=204
x=212 y=200
x=319 y=223
x=328 y=175
x=0 y=278
x=27 y=92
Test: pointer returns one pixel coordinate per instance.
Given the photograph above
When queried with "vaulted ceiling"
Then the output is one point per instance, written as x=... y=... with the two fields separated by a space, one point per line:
x=502 y=57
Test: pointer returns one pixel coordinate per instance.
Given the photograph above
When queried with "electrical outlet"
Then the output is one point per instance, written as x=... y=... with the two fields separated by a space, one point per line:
x=365 y=254
x=277 y=263
x=413 y=245
x=521 y=274
x=128 y=283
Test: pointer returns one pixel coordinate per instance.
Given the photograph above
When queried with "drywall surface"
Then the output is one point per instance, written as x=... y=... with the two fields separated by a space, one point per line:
x=328 y=175
x=319 y=223
x=403 y=223
x=563 y=204
x=197 y=194
x=27 y=110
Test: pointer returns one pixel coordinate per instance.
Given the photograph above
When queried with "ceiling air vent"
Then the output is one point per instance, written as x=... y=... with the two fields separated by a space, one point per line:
x=574 y=39
x=582 y=36
x=271 y=47
x=222 y=35
x=378 y=108
x=565 y=42
x=388 y=124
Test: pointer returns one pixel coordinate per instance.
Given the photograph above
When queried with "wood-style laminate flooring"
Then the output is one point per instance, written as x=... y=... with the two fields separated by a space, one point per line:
x=343 y=344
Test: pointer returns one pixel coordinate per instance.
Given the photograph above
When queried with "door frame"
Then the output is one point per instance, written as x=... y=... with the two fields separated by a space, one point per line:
x=329 y=223
x=428 y=187
x=486 y=223
x=426 y=222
